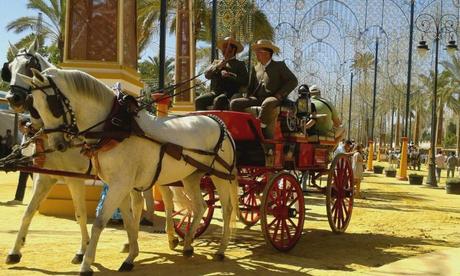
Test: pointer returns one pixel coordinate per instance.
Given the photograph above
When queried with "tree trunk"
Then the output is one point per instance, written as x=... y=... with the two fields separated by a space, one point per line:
x=439 y=124
x=398 y=125
x=458 y=134
x=417 y=127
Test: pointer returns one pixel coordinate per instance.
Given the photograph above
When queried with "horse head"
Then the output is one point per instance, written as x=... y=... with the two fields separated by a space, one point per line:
x=24 y=61
x=47 y=102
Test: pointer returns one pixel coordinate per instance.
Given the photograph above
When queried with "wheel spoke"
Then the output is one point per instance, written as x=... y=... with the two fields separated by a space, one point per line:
x=271 y=223
x=275 y=233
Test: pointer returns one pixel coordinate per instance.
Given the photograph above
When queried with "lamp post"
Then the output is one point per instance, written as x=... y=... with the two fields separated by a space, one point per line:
x=349 y=107
x=435 y=27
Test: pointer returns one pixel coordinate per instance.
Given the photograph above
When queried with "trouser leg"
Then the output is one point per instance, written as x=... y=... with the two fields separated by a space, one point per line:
x=20 y=190
x=203 y=101
x=221 y=102
x=240 y=104
x=268 y=114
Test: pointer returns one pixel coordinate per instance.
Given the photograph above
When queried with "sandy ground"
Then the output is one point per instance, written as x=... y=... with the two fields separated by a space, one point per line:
x=394 y=222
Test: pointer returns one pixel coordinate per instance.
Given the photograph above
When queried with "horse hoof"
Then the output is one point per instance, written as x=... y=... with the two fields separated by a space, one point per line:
x=219 y=256
x=188 y=253
x=174 y=243
x=13 y=258
x=77 y=259
x=125 y=266
x=86 y=273
x=125 y=248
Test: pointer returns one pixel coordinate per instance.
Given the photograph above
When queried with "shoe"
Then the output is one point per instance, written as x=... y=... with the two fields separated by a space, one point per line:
x=146 y=222
x=14 y=202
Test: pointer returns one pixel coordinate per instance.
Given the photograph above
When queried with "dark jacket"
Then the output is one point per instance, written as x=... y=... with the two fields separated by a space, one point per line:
x=276 y=80
x=228 y=85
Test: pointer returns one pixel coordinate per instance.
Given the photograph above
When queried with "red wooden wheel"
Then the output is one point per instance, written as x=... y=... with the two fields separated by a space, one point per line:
x=283 y=211
x=249 y=212
x=339 y=193
x=183 y=217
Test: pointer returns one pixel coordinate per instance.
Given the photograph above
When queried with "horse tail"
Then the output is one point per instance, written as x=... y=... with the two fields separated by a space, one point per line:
x=234 y=201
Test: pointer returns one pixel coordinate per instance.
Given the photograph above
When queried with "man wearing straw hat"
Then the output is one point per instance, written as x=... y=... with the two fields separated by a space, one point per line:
x=227 y=76
x=271 y=81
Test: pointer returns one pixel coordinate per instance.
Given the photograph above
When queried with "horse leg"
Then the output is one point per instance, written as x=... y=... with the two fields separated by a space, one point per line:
x=128 y=210
x=77 y=191
x=167 y=196
x=228 y=196
x=117 y=192
x=136 y=205
x=192 y=189
x=42 y=185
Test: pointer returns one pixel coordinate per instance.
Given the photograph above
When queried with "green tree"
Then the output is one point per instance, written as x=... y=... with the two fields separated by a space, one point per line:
x=149 y=70
x=52 y=27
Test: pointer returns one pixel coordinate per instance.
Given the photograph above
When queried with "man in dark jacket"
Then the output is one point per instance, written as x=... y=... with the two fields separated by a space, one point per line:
x=228 y=77
x=271 y=82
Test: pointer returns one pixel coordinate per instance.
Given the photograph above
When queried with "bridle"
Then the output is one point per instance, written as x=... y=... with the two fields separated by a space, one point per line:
x=59 y=106
x=32 y=62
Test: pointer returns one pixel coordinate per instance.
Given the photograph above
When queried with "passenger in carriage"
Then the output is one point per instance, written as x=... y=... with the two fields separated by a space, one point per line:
x=325 y=125
x=271 y=82
x=228 y=77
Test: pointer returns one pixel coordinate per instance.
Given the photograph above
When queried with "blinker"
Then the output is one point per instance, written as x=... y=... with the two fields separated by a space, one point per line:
x=6 y=73
x=54 y=103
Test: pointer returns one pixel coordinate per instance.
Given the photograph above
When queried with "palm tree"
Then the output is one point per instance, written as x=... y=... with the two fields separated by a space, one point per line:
x=149 y=70
x=453 y=67
x=52 y=28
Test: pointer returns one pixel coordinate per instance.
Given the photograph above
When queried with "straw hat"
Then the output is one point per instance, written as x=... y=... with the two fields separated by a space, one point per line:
x=314 y=90
x=267 y=44
x=222 y=44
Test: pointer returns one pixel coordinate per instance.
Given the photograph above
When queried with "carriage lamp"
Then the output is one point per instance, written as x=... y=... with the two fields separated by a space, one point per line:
x=422 y=48
x=451 y=47
x=303 y=102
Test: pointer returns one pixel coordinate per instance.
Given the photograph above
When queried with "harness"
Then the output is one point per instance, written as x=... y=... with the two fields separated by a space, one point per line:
x=120 y=125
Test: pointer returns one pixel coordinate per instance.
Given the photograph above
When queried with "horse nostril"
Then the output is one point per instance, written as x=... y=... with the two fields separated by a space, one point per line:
x=61 y=147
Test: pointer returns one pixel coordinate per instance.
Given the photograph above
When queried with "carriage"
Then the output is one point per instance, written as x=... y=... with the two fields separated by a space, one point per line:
x=270 y=176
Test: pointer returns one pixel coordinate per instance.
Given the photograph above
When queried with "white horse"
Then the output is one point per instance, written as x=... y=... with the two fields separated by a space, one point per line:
x=134 y=162
x=71 y=160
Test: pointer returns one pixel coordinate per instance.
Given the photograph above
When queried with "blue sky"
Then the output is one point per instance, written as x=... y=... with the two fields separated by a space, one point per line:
x=9 y=11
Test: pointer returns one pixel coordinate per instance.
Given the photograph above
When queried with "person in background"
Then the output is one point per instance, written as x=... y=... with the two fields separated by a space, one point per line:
x=9 y=142
x=344 y=147
x=358 y=168
x=452 y=163
x=440 y=162
x=23 y=126
x=2 y=147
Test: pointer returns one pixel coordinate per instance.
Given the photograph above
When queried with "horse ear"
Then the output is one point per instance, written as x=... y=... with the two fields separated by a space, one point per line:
x=25 y=79
x=37 y=75
x=33 y=47
x=13 y=49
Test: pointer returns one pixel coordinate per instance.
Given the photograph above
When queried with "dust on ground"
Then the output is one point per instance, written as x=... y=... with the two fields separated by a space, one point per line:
x=395 y=221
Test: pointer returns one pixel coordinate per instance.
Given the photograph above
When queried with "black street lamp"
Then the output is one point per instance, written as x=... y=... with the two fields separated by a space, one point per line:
x=436 y=27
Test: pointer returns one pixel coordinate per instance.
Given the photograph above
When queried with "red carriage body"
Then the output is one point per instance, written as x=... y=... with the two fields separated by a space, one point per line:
x=269 y=173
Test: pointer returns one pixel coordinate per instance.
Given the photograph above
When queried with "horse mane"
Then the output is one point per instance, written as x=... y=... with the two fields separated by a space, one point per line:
x=83 y=83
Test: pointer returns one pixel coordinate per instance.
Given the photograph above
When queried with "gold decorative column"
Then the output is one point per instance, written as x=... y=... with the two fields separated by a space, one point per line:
x=370 y=156
x=403 y=162
x=185 y=56
x=101 y=39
